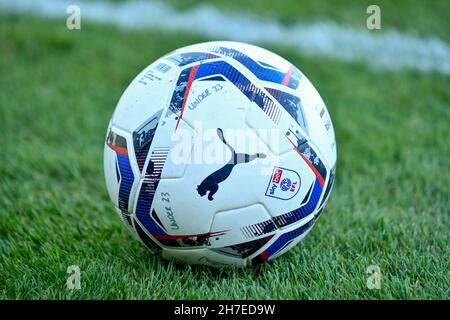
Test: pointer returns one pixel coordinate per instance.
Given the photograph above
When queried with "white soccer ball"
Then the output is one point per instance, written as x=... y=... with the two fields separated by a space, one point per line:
x=220 y=153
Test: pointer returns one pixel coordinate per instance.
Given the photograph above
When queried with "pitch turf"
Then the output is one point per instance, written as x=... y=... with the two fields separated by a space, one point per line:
x=58 y=88
x=416 y=17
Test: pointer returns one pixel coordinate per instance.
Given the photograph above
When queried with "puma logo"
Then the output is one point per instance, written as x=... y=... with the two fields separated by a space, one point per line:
x=211 y=182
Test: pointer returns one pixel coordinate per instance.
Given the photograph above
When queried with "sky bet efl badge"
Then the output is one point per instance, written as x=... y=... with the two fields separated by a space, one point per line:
x=284 y=184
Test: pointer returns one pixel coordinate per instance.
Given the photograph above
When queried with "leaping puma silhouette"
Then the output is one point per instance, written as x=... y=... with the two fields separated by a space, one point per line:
x=211 y=182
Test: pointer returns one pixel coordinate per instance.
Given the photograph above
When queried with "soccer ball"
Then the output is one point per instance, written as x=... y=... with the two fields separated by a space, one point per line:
x=220 y=153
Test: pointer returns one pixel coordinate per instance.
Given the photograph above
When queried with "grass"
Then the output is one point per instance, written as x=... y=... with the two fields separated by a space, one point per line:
x=58 y=88
x=415 y=17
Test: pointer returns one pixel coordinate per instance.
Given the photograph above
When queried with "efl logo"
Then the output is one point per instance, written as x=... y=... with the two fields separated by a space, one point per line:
x=283 y=184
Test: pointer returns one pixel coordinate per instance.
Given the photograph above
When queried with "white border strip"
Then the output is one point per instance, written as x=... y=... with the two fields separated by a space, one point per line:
x=389 y=50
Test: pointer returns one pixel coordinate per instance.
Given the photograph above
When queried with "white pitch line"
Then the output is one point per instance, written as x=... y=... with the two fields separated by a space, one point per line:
x=391 y=50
